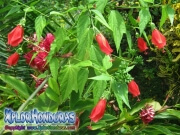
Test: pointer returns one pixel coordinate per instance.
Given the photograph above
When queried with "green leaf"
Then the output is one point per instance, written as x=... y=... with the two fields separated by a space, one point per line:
x=100 y=18
x=149 y=1
x=44 y=103
x=95 y=56
x=108 y=117
x=121 y=92
x=60 y=37
x=16 y=84
x=156 y=105
x=107 y=63
x=118 y=27
x=54 y=66
x=139 y=105
x=82 y=78
x=162 y=129
x=129 y=39
x=7 y=90
x=144 y=19
x=54 y=85
x=85 y=63
x=101 y=77
x=164 y=15
x=52 y=95
x=100 y=5
x=171 y=13
x=13 y=10
x=82 y=24
x=128 y=69
x=174 y=112
x=68 y=80
x=98 y=89
x=85 y=44
x=177 y=105
x=40 y=23
x=143 y=3
x=83 y=104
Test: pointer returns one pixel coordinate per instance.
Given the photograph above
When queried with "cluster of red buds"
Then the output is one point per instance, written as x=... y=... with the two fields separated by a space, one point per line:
x=36 y=57
x=147 y=114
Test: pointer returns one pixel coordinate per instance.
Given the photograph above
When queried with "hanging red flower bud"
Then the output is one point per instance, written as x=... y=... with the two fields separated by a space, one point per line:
x=98 y=111
x=15 y=37
x=13 y=59
x=103 y=44
x=133 y=88
x=158 y=39
x=147 y=114
x=142 y=44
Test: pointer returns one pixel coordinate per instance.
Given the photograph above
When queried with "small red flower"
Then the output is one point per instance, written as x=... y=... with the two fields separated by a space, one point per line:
x=158 y=39
x=103 y=44
x=13 y=59
x=142 y=44
x=147 y=114
x=98 y=111
x=40 y=61
x=28 y=56
x=15 y=37
x=133 y=88
x=45 y=45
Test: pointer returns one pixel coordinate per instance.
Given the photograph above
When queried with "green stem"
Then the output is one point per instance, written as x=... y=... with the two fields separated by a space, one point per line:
x=21 y=108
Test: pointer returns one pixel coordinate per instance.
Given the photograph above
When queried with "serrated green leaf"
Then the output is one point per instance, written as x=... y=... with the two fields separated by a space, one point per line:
x=129 y=39
x=95 y=56
x=13 y=10
x=98 y=89
x=149 y=1
x=83 y=104
x=107 y=63
x=60 y=37
x=101 y=77
x=129 y=69
x=144 y=19
x=52 y=83
x=82 y=24
x=100 y=5
x=162 y=129
x=68 y=80
x=84 y=63
x=18 y=85
x=121 y=92
x=54 y=66
x=85 y=44
x=164 y=15
x=171 y=13
x=40 y=23
x=174 y=112
x=52 y=95
x=44 y=103
x=82 y=78
x=118 y=27
x=100 y=18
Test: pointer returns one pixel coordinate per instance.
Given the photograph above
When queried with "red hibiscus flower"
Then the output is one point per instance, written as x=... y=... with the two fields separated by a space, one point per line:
x=13 y=59
x=15 y=37
x=103 y=44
